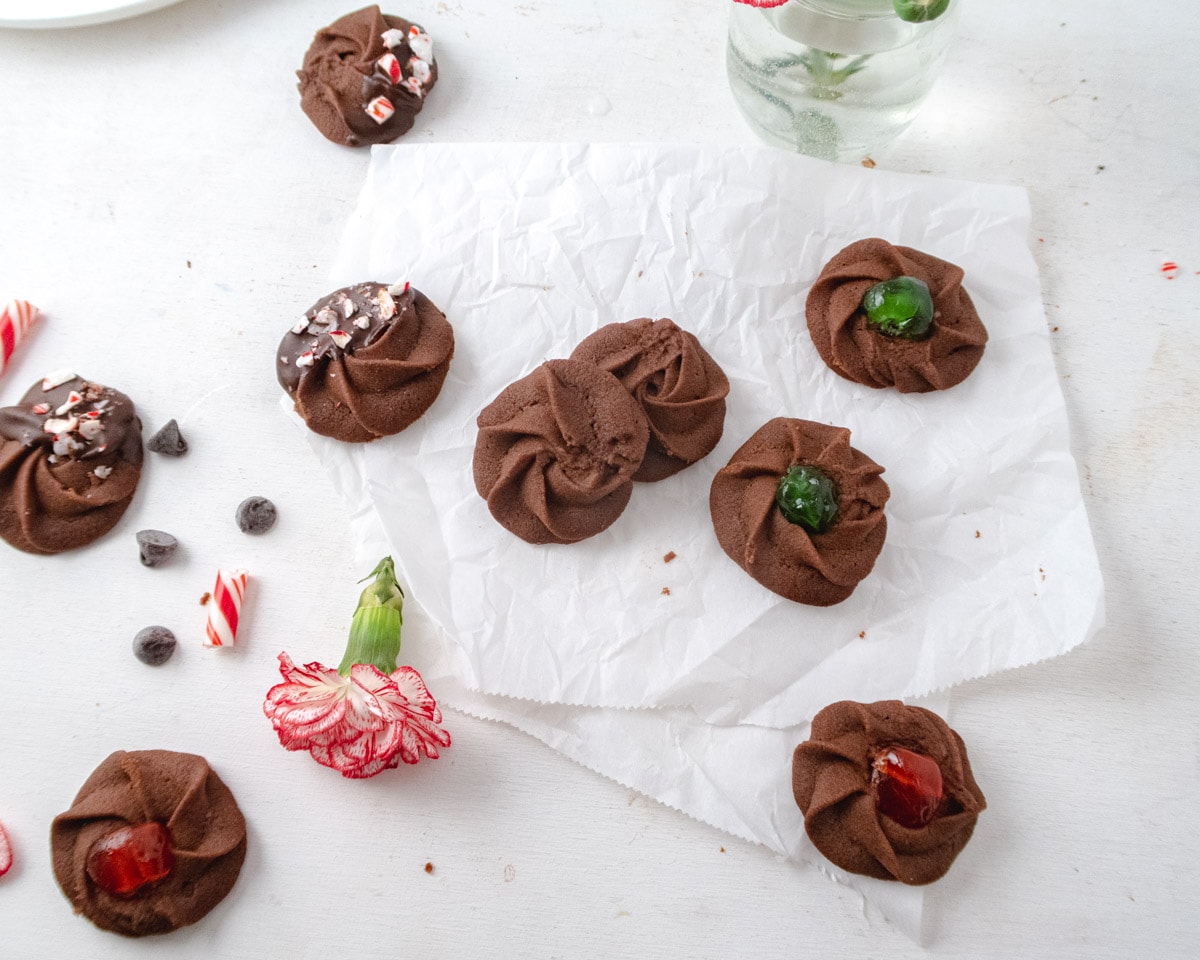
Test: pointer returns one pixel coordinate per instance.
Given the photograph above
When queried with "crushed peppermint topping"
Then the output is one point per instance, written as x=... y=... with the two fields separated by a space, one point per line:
x=73 y=400
x=56 y=379
x=381 y=108
x=390 y=66
x=91 y=429
x=348 y=308
x=65 y=445
x=56 y=426
x=283 y=359
x=103 y=472
x=41 y=409
x=392 y=38
x=387 y=306
x=305 y=359
x=300 y=326
x=362 y=321
x=413 y=85
x=326 y=317
x=398 y=289
x=340 y=338
x=420 y=43
x=420 y=69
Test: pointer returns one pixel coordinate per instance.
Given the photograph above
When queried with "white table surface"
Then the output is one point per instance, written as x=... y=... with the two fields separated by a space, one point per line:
x=167 y=203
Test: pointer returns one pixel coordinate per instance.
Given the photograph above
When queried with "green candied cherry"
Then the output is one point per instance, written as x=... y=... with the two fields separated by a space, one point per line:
x=919 y=11
x=808 y=498
x=901 y=307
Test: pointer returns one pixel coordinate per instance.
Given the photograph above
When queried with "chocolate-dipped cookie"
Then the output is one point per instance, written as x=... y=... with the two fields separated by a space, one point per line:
x=153 y=841
x=365 y=77
x=876 y=331
x=70 y=460
x=557 y=451
x=366 y=361
x=679 y=386
x=886 y=790
x=801 y=510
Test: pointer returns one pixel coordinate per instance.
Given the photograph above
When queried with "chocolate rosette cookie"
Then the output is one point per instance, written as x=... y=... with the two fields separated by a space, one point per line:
x=70 y=460
x=366 y=361
x=153 y=841
x=557 y=451
x=801 y=510
x=365 y=77
x=886 y=790
x=678 y=385
x=914 y=347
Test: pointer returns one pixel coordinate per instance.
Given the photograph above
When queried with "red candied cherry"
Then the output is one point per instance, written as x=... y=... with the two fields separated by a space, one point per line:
x=908 y=786
x=131 y=857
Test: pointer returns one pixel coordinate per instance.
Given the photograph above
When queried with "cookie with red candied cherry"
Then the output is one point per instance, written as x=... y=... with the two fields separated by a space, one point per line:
x=886 y=790
x=153 y=841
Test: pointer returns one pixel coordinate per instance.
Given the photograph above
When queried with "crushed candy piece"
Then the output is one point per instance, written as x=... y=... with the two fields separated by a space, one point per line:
x=420 y=69
x=380 y=109
x=362 y=321
x=392 y=38
x=300 y=326
x=340 y=338
x=348 y=308
x=326 y=317
x=398 y=289
x=390 y=66
x=305 y=359
x=41 y=409
x=1170 y=269
x=387 y=306
x=59 y=426
x=226 y=610
x=103 y=472
x=91 y=428
x=908 y=786
x=6 y=854
x=73 y=400
x=56 y=379
x=420 y=43
x=413 y=85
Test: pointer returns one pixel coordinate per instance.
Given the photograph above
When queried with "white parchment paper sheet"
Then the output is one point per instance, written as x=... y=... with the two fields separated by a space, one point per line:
x=989 y=561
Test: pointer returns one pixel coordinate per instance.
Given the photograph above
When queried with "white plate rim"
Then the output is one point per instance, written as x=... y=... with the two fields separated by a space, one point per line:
x=41 y=14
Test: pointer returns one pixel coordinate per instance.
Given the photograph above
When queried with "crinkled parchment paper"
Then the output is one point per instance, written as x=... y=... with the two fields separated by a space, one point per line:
x=989 y=561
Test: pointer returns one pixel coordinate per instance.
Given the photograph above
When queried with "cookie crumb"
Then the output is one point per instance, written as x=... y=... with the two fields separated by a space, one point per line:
x=722 y=849
x=204 y=598
x=668 y=556
x=429 y=867
x=976 y=534
x=666 y=591
x=868 y=163
x=862 y=634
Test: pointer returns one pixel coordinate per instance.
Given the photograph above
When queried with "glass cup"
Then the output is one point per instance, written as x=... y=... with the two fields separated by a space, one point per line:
x=834 y=79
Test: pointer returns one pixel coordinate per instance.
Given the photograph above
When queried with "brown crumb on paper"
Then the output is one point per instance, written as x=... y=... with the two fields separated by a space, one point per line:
x=862 y=634
x=666 y=591
x=204 y=598
x=722 y=849
x=668 y=556
x=429 y=868
x=868 y=163
x=976 y=534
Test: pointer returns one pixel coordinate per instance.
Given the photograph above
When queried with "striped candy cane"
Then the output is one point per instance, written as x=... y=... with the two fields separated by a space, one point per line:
x=15 y=320
x=5 y=852
x=225 y=608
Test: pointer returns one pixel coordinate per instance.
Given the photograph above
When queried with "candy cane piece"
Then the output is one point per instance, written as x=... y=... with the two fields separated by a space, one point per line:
x=226 y=608
x=16 y=319
x=5 y=852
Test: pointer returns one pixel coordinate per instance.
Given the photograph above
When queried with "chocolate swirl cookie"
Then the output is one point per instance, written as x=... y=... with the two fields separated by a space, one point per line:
x=679 y=386
x=856 y=350
x=557 y=451
x=125 y=883
x=366 y=361
x=886 y=790
x=784 y=556
x=365 y=77
x=70 y=460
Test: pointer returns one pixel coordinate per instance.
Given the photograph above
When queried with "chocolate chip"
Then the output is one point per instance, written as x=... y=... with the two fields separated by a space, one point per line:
x=168 y=441
x=156 y=547
x=154 y=645
x=256 y=515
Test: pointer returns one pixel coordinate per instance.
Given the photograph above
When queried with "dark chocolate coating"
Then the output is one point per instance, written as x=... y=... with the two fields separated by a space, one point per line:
x=557 y=451
x=680 y=388
x=178 y=790
x=66 y=478
x=856 y=350
x=831 y=780
x=389 y=372
x=342 y=74
x=820 y=569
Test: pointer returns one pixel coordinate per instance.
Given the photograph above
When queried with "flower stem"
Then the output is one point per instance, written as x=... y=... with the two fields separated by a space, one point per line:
x=375 y=629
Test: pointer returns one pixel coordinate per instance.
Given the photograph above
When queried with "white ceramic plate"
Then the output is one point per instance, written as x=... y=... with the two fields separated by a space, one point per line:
x=40 y=14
